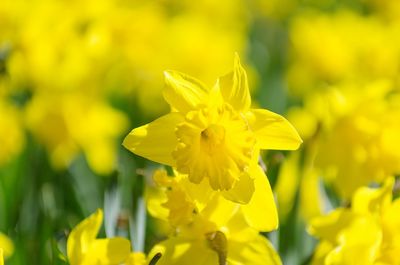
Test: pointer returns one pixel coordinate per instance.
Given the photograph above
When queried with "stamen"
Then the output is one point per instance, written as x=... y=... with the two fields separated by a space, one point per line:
x=218 y=242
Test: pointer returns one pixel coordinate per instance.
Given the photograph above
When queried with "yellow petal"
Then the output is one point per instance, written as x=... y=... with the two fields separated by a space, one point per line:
x=320 y=253
x=239 y=229
x=155 y=140
x=311 y=200
x=261 y=212
x=234 y=87
x=272 y=130
x=287 y=184
x=256 y=252
x=242 y=191
x=108 y=251
x=184 y=93
x=391 y=224
x=181 y=251
x=359 y=244
x=1 y=257
x=219 y=210
x=155 y=198
x=136 y=258
x=82 y=236
x=327 y=227
x=368 y=200
x=6 y=245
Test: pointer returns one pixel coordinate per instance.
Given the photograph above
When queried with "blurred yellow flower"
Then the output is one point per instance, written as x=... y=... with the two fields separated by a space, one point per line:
x=212 y=132
x=84 y=249
x=12 y=138
x=366 y=233
x=339 y=47
x=1 y=257
x=365 y=124
x=210 y=229
x=6 y=246
x=101 y=46
x=73 y=122
x=299 y=183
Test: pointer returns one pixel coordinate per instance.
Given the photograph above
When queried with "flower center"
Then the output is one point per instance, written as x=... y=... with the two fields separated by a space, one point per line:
x=212 y=138
x=216 y=144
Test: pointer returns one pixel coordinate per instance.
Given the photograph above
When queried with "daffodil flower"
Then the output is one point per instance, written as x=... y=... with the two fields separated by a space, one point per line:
x=209 y=229
x=212 y=133
x=367 y=233
x=84 y=249
x=179 y=201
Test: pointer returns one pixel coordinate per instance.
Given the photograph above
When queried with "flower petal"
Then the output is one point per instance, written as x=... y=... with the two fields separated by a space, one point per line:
x=155 y=198
x=234 y=87
x=108 y=251
x=287 y=185
x=256 y=252
x=368 y=200
x=328 y=226
x=261 y=212
x=359 y=243
x=82 y=236
x=184 y=93
x=272 y=130
x=136 y=258
x=182 y=251
x=155 y=140
x=219 y=211
x=242 y=191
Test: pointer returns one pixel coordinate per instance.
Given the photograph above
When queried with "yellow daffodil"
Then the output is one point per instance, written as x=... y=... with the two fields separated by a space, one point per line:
x=211 y=132
x=216 y=248
x=208 y=228
x=365 y=123
x=180 y=201
x=84 y=249
x=72 y=122
x=366 y=233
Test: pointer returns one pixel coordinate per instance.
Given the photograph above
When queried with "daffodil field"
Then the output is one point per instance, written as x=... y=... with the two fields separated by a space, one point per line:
x=230 y=132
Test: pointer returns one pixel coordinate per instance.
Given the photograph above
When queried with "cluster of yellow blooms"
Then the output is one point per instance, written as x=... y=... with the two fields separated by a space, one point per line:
x=58 y=76
x=67 y=66
x=366 y=233
x=219 y=199
x=344 y=70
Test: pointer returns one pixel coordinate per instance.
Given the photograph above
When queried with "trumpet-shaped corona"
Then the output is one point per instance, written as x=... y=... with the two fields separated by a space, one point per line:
x=216 y=144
